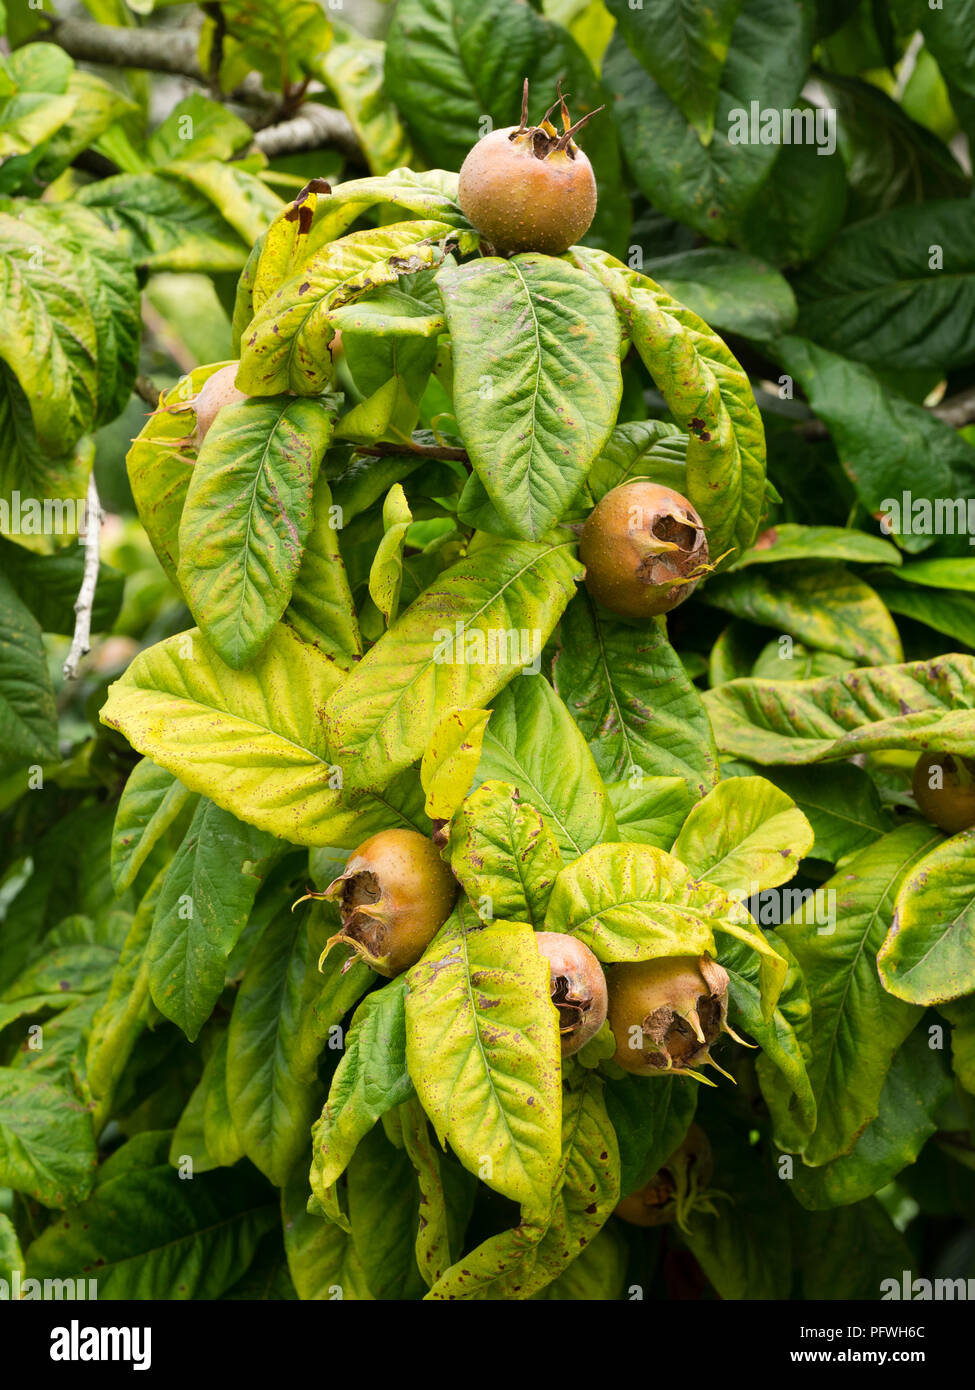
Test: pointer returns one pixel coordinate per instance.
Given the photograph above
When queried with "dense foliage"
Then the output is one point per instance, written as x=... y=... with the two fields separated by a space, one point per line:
x=350 y=601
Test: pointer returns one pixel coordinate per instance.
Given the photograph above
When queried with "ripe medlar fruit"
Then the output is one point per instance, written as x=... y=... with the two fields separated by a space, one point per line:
x=644 y=548
x=666 y=1013
x=394 y=896
x=950 y=802
x=578 y=988
x=528 y=188
x=216 y=392
x=679 y=1187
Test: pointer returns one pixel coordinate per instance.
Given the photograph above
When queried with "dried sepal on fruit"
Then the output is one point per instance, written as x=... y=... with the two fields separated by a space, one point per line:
x=578 y=988
x=667 y=1013
x=394 y=896
x=529 y=188
x=644 y=548
x=678 y=1189
x=944 y=789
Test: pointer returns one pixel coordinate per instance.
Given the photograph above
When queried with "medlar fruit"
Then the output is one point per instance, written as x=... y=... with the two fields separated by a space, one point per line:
x=216 y=392
x=528 y=188
x=679 y=1187
x=666 y=1013
x=394 y=896
x=950 y=802
x=644 y=548
x=578 y=988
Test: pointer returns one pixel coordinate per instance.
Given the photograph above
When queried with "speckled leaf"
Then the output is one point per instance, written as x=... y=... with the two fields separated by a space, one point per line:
x=821 y=604
x=929 y=954
x=537 y=380
x=152 y=800
x=483 y=1051
x=459 y=644
x=792 y=542
x=503 y=851
x=321 y=1256
x=744 y=836
x=533 y=742
x=449 y=764
x=247 y=515
x=857 y=1025
x=370 y=1079
x=446 y=1194
x=47 y=1148
x=285 y=348
x=249 y=740
x=517 y=1263
x=915 y=1088
x=628 y=692
x=709 y=395
x=386 y=571
x=916 y=705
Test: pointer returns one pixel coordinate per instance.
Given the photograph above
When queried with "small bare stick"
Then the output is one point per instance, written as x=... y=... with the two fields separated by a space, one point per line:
x=564 y=139
x=81 y=642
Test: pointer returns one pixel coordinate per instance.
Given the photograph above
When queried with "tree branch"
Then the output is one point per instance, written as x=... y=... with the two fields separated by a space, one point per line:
x=171 y=51
x=81 y=642
x=147 y=391
x=313 y=127
x=430 y=451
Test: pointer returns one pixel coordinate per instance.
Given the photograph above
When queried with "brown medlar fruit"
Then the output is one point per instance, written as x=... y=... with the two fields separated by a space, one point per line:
x=666 y=1013
x=950 y=802
x=578 y=988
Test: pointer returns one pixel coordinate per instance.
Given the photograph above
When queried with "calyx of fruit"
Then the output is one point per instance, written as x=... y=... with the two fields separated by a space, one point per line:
x=578 y=988
x=679 y=1188
x=667 y=1013
x=529 y=188
x=644 y=548
x=395 y=894
x=944 y=789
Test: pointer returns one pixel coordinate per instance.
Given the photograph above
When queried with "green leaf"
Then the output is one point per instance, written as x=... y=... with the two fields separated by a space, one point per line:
x=822 y=604
x=370 y=1079
x=146 y=1234
x=792 y=542
x=636 y=449
x=449 y=765
x=927 y=957
x=151 y=802
x=354 y=71
x=482 y=1049
x=533 y=742
x=684 y=49
x=249 y=740
x=504 y=854
x=188 y=217
x=49 y=585
x=47 y=1148
x=247 y=515
x=285 y=348
x=881 y=439
x=28 y=716
x=203 y=907
x=917 y=1085
x=517 y=1263
x=455 y=647
x=446 y=1194
x=386 y=571
x=321 y=1256
x=537 y=382
x=597 y=1273
x=283 y=39
x=841 y=804
x=915 y=705
x=11 y=1255
x=880 y=295
x=709 y=184
x=709 y=395
x=745 y=835
x=650 y=1116
x=857 y=1025
x=823 y=1243
x=650 y=810
x=321 y=610
x=198 y=128
x=800 y=206
x=384 y=1214
x=630 y=696
x=950 y=613
x=730 y=290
